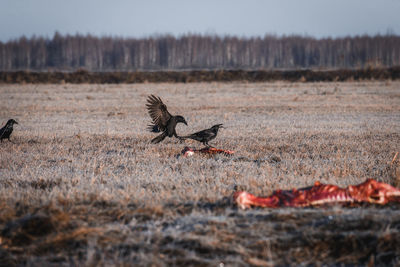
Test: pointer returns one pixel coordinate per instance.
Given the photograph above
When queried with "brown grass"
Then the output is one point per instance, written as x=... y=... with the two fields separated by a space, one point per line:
x=82 y=166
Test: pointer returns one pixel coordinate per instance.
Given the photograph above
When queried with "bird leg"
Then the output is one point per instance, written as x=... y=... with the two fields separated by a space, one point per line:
x=207 y=145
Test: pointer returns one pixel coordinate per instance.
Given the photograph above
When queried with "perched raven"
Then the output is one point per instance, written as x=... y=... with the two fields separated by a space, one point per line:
x=6 y=131
x=163 y=121
x=206 y=135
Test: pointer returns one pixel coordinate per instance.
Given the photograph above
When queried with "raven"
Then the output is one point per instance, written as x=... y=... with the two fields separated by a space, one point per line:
x=162 y=119
x=206 y=135
x=6 y=131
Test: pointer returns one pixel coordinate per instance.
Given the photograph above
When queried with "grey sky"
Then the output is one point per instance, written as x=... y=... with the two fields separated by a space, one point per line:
x=129 y=18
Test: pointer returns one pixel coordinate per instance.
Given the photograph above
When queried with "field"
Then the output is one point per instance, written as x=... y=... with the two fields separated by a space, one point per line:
x=81 y=184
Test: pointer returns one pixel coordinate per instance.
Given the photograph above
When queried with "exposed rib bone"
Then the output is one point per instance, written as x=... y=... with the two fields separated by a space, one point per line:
x=187 y=151
x=371 y=191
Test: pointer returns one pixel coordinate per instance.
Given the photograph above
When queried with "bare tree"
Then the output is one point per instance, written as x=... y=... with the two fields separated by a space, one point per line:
x=192 y=51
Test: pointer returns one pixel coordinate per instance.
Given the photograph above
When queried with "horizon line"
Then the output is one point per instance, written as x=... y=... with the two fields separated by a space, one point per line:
x=389 y=33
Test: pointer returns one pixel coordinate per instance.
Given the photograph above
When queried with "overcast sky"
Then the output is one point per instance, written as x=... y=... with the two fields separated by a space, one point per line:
x=130 y=18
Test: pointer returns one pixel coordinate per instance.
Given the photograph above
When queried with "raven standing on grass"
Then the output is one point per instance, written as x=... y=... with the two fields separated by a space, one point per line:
x=6 y=131
x=206 y=135
x=162 y=119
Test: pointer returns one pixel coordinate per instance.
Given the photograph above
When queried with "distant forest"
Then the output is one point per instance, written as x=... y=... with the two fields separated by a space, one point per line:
x=194 y=52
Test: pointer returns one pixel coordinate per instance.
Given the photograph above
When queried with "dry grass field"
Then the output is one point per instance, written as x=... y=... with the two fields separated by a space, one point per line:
x=82 y=185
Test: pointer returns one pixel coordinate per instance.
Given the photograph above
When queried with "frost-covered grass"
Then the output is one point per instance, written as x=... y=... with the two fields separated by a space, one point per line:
x=82 y=152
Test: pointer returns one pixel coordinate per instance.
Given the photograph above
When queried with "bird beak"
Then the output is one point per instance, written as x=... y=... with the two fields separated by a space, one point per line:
x=16 y=122
x=185 y=123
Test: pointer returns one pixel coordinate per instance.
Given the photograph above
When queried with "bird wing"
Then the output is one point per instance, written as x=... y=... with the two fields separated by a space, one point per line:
x=158 y=112
x=3 y=130
x=202 y=134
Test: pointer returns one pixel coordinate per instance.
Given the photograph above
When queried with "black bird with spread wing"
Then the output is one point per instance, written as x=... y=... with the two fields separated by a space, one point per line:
x=6 y=131
x=163 y=121
x=206 y=135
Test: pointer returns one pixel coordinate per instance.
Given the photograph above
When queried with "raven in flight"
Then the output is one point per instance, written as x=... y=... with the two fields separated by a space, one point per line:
x=6 y=131
x=162 y=119
x=206 y=135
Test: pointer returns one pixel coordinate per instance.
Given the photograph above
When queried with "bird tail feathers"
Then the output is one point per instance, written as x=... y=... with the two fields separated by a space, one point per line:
x=153 y=128
x=186 y=137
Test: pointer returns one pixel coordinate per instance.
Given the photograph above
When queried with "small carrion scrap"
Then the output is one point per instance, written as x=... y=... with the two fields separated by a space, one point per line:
x=370 y=191
x=188 y=151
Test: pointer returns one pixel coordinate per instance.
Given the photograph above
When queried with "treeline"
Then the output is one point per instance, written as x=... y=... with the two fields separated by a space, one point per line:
x=191 y=52
x=82 y=76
